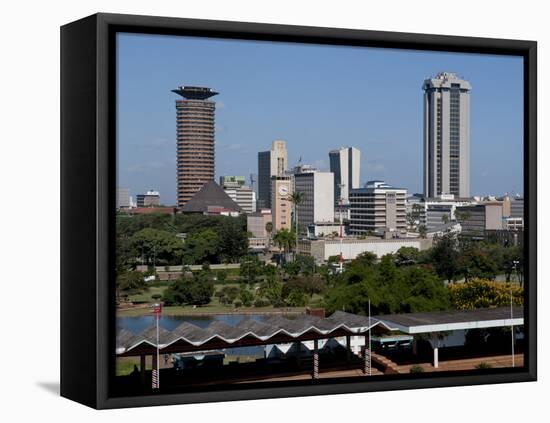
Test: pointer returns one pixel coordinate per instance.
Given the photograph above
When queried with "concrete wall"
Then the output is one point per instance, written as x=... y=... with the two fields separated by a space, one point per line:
x=351 y=248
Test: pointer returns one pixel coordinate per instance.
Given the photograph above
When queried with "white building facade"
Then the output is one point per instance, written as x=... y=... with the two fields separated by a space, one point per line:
x=446 y=135
x=317 y=205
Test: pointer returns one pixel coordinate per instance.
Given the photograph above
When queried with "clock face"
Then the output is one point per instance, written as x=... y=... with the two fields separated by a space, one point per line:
x=283 y=190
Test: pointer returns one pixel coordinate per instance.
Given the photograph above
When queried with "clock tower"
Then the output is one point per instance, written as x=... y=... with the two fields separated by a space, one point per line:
x=281 y=207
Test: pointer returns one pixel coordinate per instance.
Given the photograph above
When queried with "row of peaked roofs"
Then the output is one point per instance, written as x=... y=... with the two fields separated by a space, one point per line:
x=262 y=330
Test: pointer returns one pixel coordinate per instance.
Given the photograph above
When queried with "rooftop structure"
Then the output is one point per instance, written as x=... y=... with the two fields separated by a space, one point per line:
x=275 y=329
x=195 y=93
x=211 y=196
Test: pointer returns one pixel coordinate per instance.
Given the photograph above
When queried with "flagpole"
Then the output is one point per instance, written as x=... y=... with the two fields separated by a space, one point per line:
x=370 y=352
x=158 y=359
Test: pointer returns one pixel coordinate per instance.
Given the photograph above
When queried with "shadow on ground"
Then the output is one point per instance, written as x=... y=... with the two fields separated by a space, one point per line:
x=51 y=387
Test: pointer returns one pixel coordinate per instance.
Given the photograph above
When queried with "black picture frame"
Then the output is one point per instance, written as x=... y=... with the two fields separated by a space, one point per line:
x=88 y=199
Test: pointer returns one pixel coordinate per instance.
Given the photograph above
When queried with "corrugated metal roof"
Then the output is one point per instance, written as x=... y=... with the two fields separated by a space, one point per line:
x=263 y=331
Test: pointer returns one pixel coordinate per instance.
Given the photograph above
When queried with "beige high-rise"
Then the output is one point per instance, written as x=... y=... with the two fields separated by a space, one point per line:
x=195 y=141
x=270 y=163
x=281 y=207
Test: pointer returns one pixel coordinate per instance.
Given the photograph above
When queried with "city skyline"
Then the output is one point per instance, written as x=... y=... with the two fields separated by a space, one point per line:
x=344 y=99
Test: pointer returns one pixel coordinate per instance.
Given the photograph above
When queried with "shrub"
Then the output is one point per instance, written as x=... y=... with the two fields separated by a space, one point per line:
x=246 y=297
x=261 y=303
x=238 y=304
x=416 y=369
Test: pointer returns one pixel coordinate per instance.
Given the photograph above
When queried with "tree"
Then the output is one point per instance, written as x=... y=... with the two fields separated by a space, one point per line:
x=269 y=230
x=156 y=247
x=307 y=284
x=366 y=259
x=195 y=290
x=233 y=239
x=476 y=263
x=407 y=256
x=130 y=282
x=200 y=246
x=284 y=239
x=246 y=297
x=301 y=265
x=445 y=256
x=482 y=293
x=250 y=269
x=296 y=198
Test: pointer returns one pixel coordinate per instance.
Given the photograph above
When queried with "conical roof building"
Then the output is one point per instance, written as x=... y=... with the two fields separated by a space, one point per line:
x=210 y=196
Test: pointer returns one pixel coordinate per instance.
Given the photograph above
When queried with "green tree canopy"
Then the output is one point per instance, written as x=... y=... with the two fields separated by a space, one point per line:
x=155 y=246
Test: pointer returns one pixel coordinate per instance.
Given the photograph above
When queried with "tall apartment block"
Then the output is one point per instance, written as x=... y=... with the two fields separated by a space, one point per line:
x=446 y=136
x=195 y=140
x=281 y=207
x=378 y=206
x=317 y=189
x=270 y=163
x=345 y=164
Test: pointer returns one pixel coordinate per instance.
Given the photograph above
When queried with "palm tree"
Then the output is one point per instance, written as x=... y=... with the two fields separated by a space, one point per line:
x=284 y=240
x=296 y=198
x=268 y=229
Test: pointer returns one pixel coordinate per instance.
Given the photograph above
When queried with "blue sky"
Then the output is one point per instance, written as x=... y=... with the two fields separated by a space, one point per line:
x=316 y=98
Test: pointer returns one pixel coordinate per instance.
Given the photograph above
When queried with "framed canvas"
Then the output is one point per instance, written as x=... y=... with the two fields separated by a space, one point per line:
x=258 y=211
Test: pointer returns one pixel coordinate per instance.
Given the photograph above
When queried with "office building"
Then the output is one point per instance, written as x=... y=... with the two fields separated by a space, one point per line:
x=377 y=207
x=437 y=213
x=323 y=249
x=345 y=164
x=281 y=190
x=195 y=140
x=516 y=207
x=270 y=163
x=317 y=189
x=475 y=219
x=150 y=199
x=243 y=196
x=123 y=199
x=446 y=136
x=232 y=181
x=256 y=223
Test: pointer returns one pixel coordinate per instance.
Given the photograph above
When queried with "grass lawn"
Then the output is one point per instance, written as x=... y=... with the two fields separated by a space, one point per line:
x=214 y=307
x=208 y=309
x=125 y=365
x=147 y=296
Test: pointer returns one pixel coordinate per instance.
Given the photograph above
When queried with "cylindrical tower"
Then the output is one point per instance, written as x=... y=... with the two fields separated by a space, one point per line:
x=195 y=140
